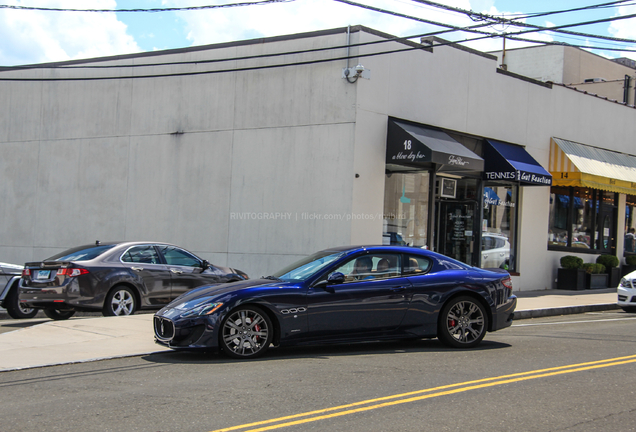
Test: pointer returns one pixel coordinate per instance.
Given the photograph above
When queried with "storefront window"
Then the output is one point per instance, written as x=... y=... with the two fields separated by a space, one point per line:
x=406 y=209
x=582 y=219
x=585 y=212
x=559 y=208
x=630 y=225
x=498 y=240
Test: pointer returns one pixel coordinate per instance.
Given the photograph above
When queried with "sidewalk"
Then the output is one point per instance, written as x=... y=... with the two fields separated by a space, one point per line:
x=83 y=339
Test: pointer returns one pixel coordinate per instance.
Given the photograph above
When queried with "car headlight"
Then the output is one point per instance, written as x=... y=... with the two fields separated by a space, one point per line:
x=201 y=310
x=625 y=283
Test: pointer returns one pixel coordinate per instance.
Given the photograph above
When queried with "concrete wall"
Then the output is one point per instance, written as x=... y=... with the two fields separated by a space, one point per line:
x=249 y=169
x=571 y=66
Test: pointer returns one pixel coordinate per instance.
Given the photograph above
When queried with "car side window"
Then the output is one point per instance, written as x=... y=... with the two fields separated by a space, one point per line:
x=179 y=257
x=371 y=266
x=415 y=265
x=145 y=254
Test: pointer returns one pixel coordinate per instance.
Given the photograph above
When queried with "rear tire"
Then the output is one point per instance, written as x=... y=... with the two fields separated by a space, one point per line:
x=14 y=308
x=463 y=323
x=58 y=314
x=120 y=301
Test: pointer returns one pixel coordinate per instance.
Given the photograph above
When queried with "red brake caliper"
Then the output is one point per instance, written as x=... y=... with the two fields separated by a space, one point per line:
x=257 y=328
x=452 y=323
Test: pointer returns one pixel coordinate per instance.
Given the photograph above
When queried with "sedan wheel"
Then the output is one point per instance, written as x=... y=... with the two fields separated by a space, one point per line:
x=246 y=333
x=463 y=323
x=119 y=301
x=15 y=309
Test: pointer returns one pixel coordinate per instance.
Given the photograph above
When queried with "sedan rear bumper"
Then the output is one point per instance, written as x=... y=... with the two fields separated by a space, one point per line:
x=504 y=314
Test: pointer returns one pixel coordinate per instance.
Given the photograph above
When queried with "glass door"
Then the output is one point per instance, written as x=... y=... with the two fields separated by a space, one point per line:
x=456 y=223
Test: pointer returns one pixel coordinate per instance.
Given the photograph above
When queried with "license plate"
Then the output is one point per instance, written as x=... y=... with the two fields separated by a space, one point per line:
x=42 y=274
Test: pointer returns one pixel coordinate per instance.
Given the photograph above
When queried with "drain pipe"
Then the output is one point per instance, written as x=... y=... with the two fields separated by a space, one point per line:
x=348 y=43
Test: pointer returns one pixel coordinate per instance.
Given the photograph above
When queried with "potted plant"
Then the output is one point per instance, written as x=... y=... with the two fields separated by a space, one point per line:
x=630 y=265
x=595 y=275
x=571 y=275
x=611 y=263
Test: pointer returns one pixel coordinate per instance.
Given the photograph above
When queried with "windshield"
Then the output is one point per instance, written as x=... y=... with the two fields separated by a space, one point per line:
x=82 y=253
x=307 y=267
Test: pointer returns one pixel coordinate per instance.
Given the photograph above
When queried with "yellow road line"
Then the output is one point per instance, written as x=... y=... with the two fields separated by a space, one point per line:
x=465 y=386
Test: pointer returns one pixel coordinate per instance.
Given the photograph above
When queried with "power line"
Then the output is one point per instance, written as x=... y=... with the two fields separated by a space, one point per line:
x=596 y=6
x=249 y=68
x=556 y=29
x=300 y=63
x=174 y=9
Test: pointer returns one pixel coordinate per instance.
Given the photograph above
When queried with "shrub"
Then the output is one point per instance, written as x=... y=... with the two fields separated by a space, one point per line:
x=609 y=261
x=630 y=260
x=592 y=268
x=571 y=262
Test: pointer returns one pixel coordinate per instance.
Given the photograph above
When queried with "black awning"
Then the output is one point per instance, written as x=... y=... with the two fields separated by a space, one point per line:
x=418 y=146
x=505 y=161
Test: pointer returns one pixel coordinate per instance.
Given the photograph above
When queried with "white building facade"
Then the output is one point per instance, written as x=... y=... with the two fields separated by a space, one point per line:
x=256 y=153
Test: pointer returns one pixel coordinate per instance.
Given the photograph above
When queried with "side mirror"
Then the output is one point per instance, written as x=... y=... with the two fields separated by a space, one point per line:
x=205 y=264
x=336 y=278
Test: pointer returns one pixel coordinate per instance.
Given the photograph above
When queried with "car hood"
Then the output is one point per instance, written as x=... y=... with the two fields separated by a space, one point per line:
x=218 y=290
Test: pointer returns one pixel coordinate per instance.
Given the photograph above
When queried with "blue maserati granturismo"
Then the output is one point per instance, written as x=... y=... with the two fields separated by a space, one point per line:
x=344 y=294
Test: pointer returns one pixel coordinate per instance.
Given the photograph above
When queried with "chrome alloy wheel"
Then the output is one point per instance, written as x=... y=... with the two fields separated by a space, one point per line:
x=247 y=332
x=122 y=303
x=465 y=322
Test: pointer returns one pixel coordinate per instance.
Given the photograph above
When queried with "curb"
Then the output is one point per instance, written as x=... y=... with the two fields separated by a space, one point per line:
x=565 y=310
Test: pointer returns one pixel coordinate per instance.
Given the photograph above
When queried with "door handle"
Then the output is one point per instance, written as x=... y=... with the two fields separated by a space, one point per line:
x=398 y=289
x=137 y=268
x=175 y=271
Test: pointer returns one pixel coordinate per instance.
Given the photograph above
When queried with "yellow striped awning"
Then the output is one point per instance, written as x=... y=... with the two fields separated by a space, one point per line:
x=580 y=165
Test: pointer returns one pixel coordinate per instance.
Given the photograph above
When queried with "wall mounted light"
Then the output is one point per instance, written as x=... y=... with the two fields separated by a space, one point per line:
x=352 y=74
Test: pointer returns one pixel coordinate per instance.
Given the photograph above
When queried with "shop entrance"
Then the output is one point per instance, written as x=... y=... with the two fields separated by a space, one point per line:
x=456 y=228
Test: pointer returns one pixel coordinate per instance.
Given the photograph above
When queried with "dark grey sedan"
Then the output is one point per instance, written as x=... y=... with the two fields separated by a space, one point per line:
x=116 y=278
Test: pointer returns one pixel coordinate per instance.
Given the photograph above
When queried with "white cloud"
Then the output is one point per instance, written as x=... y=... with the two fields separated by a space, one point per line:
x=38 y=36
x=231 y=24
x=625 y=28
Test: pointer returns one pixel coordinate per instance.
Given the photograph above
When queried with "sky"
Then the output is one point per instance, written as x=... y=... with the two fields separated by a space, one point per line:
x=29 y=36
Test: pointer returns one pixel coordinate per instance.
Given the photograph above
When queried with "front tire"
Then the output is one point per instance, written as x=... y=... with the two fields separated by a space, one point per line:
x=58 y=314
x=246 y=333
x=120 y=301
x=15 y=308
x=629 y=309
x=463 y=323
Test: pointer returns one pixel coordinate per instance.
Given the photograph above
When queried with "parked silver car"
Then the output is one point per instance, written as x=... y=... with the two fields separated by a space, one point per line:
x=9 y=281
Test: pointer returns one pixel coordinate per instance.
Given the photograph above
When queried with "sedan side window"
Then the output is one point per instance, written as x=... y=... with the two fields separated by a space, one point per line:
x=416 y=265
x=141 y=254
x=179 y=257
x=369 y=267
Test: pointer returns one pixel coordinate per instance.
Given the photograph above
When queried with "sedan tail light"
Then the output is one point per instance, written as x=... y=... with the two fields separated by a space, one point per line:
x=507 y=282
x=71 y=272
x=26 y=272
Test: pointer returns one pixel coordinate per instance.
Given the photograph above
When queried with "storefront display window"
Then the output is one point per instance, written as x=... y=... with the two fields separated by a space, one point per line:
x=406 y=209
x=582 y=219
x=630 y=225
x=498 y=233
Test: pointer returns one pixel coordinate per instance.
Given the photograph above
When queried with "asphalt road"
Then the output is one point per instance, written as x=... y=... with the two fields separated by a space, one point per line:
x=570 y=373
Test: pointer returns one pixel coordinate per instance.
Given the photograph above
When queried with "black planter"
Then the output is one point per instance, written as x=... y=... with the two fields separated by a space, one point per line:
x=614 y=278
x=596 y=281
x=627 y=269
x=571 y=279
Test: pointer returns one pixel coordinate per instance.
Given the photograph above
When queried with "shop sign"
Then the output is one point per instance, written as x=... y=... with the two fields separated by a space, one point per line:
x=525 y=177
